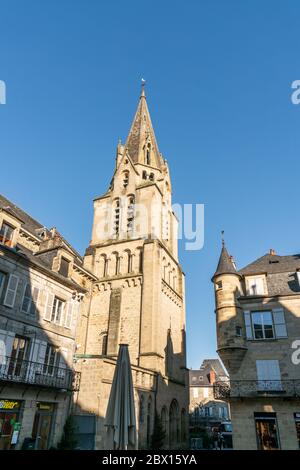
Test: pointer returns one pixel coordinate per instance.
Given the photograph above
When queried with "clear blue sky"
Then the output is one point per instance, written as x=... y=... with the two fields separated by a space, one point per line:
x=219 y=77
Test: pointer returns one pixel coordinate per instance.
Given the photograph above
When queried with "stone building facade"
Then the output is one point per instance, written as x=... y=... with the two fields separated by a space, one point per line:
x=258 y=333
x=42 y=282
x=206 y=412
x=138 y=298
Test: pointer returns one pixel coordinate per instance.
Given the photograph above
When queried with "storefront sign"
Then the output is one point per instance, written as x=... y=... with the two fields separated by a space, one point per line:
x=45 y=406
x=9 y=404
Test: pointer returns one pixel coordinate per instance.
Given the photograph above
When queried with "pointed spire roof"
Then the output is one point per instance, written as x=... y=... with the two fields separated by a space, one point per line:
x=225 y=265
x=141 y=134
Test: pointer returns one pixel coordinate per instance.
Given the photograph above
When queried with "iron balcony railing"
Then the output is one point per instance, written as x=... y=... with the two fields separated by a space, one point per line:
x=34 y=373
x=256 y=388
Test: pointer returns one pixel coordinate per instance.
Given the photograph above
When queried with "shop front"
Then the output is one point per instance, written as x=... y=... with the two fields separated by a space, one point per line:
x=10 y=424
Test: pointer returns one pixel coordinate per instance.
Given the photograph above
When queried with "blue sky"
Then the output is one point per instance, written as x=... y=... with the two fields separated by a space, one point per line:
x=219 y=80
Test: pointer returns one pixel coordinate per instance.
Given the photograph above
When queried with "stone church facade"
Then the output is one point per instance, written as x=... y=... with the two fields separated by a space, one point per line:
x=138 y=298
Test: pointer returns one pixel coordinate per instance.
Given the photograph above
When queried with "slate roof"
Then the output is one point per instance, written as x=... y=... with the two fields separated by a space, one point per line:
x=271 y=264
x=225 y=265
x=30 y=224
x=280 y=270
x=141 y=128
x=200 y=377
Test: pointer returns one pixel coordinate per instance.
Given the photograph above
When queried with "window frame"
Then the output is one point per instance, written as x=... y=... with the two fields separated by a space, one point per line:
x=32 y=301
x=47 y=364
x=250 y=332
x=9 y=226
x=251 y=279
x=56 y=302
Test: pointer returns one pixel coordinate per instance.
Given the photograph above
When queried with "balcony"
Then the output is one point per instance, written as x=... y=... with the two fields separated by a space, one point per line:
x=24 y=372
x=225 y=390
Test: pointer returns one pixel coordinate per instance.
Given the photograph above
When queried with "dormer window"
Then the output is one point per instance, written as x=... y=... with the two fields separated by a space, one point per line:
x=64 y=267
x=6 y=234
x=255 y=286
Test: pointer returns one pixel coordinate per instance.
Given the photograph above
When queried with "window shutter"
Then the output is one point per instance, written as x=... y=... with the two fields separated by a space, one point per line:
x=268 y=374
x=11 y=290
x=260 y=288
x=26 y=299
x=34 y=300
x=49 y=306
x=68 y=316
x=42 y=352
x=279 y=323
x=268 y=370
x=247 y=317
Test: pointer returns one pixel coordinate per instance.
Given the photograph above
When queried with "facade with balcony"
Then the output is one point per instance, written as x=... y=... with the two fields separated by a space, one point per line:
x=258 y=333
x=42 y=283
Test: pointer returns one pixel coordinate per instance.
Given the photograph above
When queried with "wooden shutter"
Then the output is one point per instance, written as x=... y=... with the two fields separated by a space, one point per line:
x=68 y=315
x=26 y=298
x=11 y=290
x=279 y=323
x=268 y=374
x=247 y=317
x=34 y=300
x=49 y=306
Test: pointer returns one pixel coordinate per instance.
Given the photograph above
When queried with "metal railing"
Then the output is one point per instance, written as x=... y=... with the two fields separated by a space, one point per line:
x=256 y=388
x=34 y=373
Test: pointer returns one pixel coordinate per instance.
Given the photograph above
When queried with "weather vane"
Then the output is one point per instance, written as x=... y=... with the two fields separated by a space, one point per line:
x=143 y=82
x=223 y=241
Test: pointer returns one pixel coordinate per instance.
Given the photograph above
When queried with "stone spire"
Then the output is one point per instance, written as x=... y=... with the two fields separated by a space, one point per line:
x=141 y=143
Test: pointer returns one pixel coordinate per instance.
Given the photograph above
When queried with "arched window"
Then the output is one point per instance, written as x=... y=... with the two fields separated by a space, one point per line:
x=174 y=434
x=151 y=177
x=116 y=218
x=125 y=178
x=169 y=274
x=148 y=154
x=140 y=250
x=116 y=263
x=169 y=354
x=104 y=344
x=104 y=266
x=164 y=420
x=130 y=215
x=144 y=175
x=174 y=278
x=129 y=261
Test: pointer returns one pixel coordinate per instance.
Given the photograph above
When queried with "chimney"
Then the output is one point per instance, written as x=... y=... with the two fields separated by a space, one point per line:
x=272 y=252
x=212 y=377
